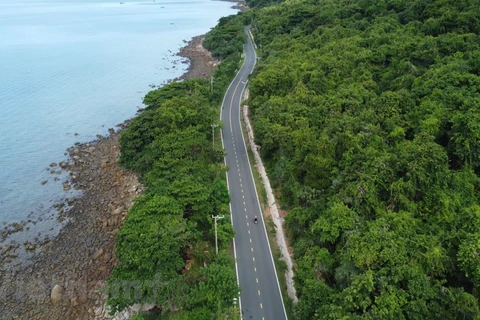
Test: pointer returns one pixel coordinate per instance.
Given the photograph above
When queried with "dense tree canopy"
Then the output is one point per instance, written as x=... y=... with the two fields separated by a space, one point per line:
x=368 y=115
x=165 y=247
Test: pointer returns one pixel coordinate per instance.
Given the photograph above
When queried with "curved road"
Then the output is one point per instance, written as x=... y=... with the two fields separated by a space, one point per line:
x=260 y=296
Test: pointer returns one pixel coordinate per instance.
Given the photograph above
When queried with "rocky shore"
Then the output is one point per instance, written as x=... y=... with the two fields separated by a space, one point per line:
x=66 y=276
x=63 y=280
x=201 y=61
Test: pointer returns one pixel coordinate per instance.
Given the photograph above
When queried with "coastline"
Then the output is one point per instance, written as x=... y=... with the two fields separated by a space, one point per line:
x=65 y=277
x=201 y=61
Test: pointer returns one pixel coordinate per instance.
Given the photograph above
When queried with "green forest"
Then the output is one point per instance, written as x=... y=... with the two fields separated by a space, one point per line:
x=166 y=247
x=368 y=117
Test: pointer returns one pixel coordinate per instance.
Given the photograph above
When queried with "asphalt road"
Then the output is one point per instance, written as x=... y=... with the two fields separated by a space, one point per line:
x=260 y=296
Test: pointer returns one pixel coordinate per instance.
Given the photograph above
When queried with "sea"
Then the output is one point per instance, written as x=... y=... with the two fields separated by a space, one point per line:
x=71 y=69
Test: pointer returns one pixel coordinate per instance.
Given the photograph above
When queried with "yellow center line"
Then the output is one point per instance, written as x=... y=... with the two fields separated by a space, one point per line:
x=259 y=293
x=261 y=306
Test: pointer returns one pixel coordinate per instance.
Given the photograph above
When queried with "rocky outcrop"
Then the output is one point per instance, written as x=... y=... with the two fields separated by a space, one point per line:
x=201 y=61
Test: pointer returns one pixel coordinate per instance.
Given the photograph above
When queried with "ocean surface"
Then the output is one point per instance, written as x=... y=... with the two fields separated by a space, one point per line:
x=71 y=69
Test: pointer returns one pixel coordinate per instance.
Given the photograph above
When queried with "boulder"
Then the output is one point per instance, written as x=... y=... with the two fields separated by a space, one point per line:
x=107 y=256
x=57 y=293
x=117 y=211
x=74 y=302
x=98 y=311
x=111 y=222
x=98 y=254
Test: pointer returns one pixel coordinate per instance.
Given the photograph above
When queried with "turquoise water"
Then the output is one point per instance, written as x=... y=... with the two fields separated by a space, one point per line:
x=69 y=70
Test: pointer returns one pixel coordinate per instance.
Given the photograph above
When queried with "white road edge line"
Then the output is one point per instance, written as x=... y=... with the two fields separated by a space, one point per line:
x=255 y=187
x=256 y=193
x=231 y=220
x=231 y=217
x=228 y=184
x=231 y=103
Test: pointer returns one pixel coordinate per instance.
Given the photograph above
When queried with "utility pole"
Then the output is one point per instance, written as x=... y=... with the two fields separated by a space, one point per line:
x=214 y=125
x=216 y=240
x=211 y=85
